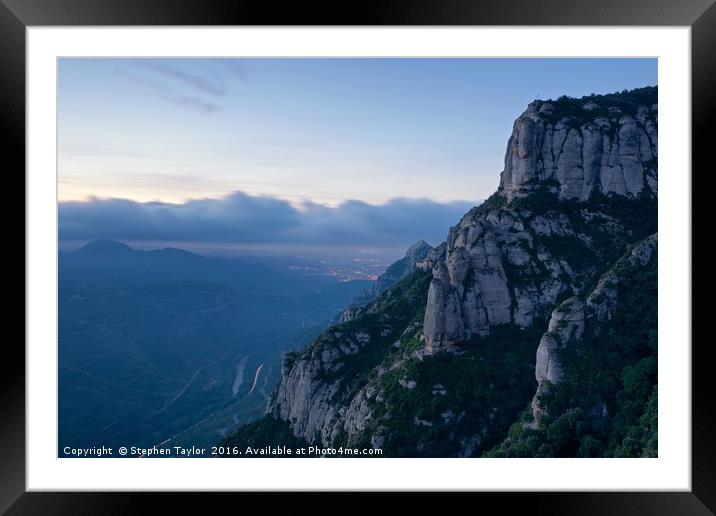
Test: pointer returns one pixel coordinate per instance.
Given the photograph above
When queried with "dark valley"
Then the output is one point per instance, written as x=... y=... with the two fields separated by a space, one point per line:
x=167 y=346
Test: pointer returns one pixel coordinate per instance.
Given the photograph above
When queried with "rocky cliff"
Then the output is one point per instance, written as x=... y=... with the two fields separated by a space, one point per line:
x=447 y=360
x=602 y=148
x=503 y=261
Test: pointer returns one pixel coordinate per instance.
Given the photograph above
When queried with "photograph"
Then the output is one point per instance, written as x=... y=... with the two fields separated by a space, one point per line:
x=373 y=257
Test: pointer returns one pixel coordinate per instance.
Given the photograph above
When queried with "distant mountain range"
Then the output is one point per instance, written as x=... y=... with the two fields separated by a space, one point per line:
x=110 y=263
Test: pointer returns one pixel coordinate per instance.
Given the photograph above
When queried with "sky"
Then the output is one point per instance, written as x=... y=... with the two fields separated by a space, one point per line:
x=255 y=150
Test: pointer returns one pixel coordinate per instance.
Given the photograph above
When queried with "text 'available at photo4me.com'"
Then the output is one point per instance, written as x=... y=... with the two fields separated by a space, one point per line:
x=218 y=451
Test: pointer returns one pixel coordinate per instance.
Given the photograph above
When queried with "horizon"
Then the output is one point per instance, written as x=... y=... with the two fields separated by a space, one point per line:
x=342 y=265
x=213 y=250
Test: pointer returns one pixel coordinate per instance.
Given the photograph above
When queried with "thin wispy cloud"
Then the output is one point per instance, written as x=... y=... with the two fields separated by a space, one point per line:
x=164 y=92
x=198 y=88
x=213 y=85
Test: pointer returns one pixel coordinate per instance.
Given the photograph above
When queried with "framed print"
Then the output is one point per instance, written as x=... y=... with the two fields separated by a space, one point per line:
x=417 y=250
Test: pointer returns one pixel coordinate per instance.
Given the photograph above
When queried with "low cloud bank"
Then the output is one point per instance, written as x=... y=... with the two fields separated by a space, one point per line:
x=246 y=219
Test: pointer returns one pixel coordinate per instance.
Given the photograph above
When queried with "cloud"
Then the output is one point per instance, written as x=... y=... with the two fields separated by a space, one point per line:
x=210 y=83
x=244 y=219
x=191 y=84
x=164 y=92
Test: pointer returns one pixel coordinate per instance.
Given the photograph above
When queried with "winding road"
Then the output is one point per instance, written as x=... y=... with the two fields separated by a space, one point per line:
x=256 y=378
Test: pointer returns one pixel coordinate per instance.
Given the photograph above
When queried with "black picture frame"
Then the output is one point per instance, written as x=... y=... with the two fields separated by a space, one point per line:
x=16 y=15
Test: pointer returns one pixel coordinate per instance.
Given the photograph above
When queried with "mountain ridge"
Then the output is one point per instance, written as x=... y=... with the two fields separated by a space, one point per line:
x=506 y=297
x=418 y=256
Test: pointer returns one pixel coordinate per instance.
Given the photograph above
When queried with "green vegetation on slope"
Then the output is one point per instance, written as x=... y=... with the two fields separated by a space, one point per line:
x=384 y=321
x=459 y=403
x=626 y=101
x=616 y=367
x=606 y=226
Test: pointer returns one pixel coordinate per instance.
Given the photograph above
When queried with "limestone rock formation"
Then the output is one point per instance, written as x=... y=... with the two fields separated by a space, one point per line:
x=471 y=289
x=567 y=323
x=569 y=320
x=580 y=156
x=501 y=264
